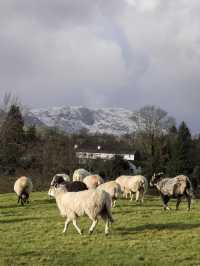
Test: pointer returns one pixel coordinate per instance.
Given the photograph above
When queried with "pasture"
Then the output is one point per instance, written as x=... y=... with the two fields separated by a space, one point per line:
x=141 y=235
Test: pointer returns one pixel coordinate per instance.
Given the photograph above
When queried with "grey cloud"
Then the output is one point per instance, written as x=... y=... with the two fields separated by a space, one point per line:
x=124 y=53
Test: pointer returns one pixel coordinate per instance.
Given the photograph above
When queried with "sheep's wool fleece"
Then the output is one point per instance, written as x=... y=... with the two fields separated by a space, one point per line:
x=92 y=181
x=23 y=184
x=132 y=183
x=173 y=186
x=123 y=181
x=112 y=187
x=79 y=174
x=89 y=202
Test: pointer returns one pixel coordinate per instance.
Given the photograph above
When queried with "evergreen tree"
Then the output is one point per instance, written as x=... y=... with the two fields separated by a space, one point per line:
x=31 y=135
x=181 y=159
x=195 y=177
x=12 y=139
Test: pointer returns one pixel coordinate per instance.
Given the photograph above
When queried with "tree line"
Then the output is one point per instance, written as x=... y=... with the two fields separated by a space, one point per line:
x=157 y=143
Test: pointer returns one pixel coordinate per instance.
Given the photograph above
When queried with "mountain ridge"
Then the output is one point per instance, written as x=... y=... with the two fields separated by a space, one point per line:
x=73 y=119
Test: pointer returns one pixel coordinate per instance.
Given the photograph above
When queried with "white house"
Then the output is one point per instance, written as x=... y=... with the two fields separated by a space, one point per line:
x=103 y=155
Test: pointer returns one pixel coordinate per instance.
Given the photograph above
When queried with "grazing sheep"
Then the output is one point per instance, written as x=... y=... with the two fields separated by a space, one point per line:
x=59 y=178
x=175 y=187
x=79 y=174
x=68 y=186
x=133 y=184
x=93 y=181
x=89 y=202
x=23 y=187
x=112 y=188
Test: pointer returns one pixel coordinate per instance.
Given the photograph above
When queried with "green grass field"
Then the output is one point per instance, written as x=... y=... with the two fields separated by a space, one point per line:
x=141 y=235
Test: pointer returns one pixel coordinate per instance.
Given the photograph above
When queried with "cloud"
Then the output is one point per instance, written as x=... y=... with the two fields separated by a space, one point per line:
x=124 y=53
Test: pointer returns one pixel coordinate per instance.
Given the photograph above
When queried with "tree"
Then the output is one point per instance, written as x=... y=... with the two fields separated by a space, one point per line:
x=181 y=161
x=8 y=100
x=31 y=135
x=195 y=177
x=152 y=123
x=12 y=138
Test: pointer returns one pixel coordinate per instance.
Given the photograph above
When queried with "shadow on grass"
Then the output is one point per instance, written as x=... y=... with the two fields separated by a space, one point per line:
x=19 y=220
x=43 y=201
x=9 y=206
x=159 y=227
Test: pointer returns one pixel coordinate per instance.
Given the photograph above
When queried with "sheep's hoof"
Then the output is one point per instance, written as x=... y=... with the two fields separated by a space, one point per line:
x=90 y=232
x=106 y=233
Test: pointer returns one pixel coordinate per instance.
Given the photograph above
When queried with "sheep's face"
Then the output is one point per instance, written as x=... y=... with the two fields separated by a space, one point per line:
x=24 y=195
x=57 y=180
x=51 y=192
x=155 y=178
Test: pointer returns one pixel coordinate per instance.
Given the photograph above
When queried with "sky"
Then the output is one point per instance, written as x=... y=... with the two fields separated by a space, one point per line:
x=103 y=53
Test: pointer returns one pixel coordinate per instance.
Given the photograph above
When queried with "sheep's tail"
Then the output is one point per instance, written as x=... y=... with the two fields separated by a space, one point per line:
x=106 y=210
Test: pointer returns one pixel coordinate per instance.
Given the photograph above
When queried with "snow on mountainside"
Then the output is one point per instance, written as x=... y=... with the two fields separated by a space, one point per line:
x=72 y=119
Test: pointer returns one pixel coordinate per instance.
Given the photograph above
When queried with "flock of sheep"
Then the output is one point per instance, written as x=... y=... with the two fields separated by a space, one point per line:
x=88 y=195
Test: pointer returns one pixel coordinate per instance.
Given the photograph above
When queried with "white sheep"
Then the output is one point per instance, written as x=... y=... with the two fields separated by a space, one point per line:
x=79 y=174
x=88 y=202
x=93 y=181
x=23 y=187
x=133 y=184
x=112 y=188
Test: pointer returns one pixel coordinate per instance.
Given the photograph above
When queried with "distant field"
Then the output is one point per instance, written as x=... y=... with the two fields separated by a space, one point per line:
x=141 y=235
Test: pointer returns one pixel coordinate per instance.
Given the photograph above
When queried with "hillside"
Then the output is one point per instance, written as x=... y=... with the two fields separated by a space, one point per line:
x=115 y=121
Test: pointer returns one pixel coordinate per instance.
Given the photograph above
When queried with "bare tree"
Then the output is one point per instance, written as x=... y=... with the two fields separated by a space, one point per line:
x=10 y=99
x=152 y=122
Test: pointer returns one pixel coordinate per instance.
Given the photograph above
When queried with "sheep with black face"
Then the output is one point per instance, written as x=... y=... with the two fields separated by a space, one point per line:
x=23 y=187
x=67 y=186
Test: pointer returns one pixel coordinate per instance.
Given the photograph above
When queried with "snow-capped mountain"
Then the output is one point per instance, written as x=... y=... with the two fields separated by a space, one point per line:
x=115 y=121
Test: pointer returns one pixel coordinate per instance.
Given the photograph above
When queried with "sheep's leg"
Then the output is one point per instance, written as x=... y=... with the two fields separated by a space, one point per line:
x=93 y=226
x=66 y=225
x=137 y=196
x=77 y=228
x=107 y=227
x=18 y=199
x=165 y=200
x=125 y=194
x=131 y=195
x=22 y=202
x=178 y=202
x=114 y=203
x=142 y=196
x=188 y=197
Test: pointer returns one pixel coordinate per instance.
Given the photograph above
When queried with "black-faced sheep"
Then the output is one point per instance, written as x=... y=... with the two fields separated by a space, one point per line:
x=133 y=184
x=89 y=202
x=175 y=187
x=23 y=187
x=68 y=186
x=59 y=178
